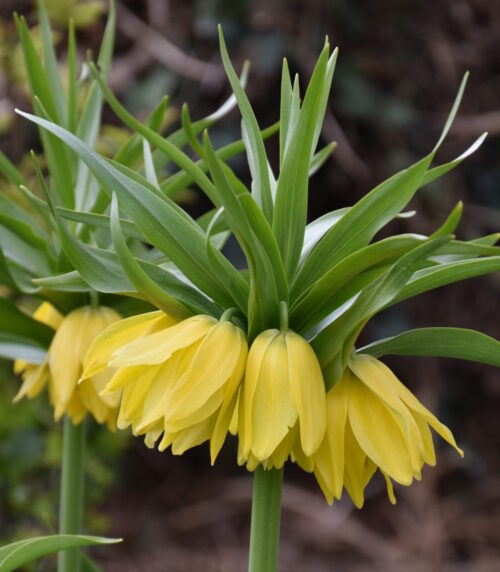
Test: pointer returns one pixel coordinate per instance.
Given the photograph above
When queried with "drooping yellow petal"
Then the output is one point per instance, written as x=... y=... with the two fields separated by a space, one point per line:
x=273 y=409
x=379 y=433
x=380 y=380
x=153 y=435
x=211 y=366
x=122 y=377
x=64 y=355
x=195 y=435
x=75 y=409
x=329 y=459
x=355 y=472
x=155 y=399
x=308 y=391
x=95 y=322
x=429 y=453
x=229 y=410
x=390 y=489
x=284 y=449
x=119 y=334
x=252 y=374
x=373 y=374
x=233 y=426
x=48 y=315
x=413 y=403
x=93 y=402
x=158 y=347
x=34 y=380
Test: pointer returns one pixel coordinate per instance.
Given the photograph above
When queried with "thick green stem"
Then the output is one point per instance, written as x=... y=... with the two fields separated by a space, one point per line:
x=71 y=496
x=266 y=512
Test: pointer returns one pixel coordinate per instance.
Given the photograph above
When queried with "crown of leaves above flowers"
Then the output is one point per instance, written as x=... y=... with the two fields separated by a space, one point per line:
x=330 y=274
x=46 y=247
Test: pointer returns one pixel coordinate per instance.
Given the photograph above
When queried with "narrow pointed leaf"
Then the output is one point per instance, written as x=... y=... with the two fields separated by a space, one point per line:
x=255 y=148
x=455 y=343
x=163 y=223
x=290 y=209
x=15 y=555
x=142 y=282
x=333 y=344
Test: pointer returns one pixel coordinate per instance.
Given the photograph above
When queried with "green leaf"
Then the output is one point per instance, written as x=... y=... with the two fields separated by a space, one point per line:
x=51 y=66
x=285 y=107
x=21 y=326
x=100 y=221
x=165 y=145
x=17 y=554
x=12 y=209
x=318 y=228
x=290 y=109
x=190 y=133
x=290 y=209
x=142 y=282
x=58 y=161
x=440 y=170
x=98 y=267
x=180 y=180
x=37 y=76
x=15 y=276
x=451 y=222
x=444 y=274
x=131 y=150
x=163 y=223
x=67 y=282
x=321 y=157
x=14 y=347
x=20 y=251
x=334 y=343
x=10 y=171
x=72 y=113
x=86 y=191
x=267 y=283
x=360 y=224
x=179 y=137
x=40 y=206
x=441 y=342
x=149 y=167
x=256 y=151
x=321 y=299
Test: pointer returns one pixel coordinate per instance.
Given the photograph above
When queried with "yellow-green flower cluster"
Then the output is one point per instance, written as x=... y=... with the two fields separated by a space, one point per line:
x=63 y=365
x=184 y=383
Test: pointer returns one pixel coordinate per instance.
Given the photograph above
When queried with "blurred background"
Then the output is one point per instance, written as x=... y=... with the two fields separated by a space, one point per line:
x=400 y=65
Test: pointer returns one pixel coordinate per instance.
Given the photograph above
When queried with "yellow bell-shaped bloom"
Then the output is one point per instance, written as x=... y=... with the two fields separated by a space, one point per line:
x=63 y=364
x=282 y=406
x=373 y=422
x=181 y=381
x=118 y=335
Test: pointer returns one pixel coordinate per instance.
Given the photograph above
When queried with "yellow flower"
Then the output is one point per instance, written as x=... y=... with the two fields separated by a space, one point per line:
x=63 y=363
x=181 y=381
x=282 y=407
x=374 y=421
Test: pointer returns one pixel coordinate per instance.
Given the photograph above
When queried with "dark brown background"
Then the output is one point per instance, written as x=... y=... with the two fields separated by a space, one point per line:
x=400 y=65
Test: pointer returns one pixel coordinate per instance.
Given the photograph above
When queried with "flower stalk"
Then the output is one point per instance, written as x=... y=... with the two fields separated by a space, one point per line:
x=266 y=515
x=71 y=494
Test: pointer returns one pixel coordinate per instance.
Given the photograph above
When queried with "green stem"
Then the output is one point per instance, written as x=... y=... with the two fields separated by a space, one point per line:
x=265 y=528
x=71 y=495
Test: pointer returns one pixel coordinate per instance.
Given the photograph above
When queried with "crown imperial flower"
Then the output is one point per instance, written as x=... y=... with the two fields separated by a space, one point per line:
x=282 y=402
x=181 y=381
x=374 y=421
x=63 y=364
